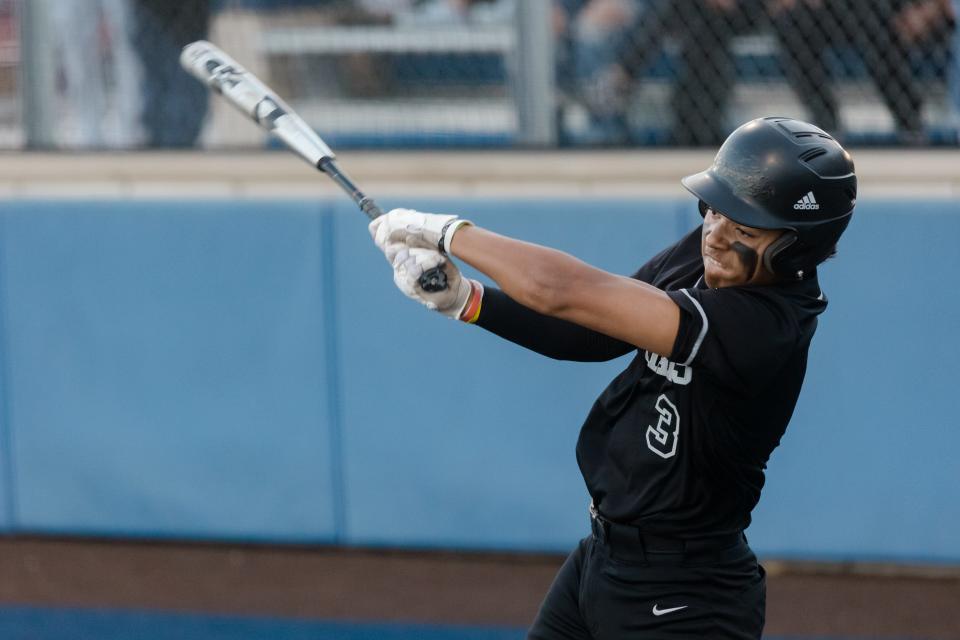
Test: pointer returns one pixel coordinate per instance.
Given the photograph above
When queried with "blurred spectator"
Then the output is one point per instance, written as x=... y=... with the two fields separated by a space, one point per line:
x=589 y=33
x=175 y=104
x=99 y=79
x=705 y=73
x=882 y=32
x=925 y=24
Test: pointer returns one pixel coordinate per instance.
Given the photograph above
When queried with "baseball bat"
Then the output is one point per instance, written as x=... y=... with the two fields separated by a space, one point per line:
x=213 y=67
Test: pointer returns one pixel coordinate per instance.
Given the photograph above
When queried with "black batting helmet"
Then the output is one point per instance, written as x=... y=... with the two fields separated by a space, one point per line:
x=780 y=173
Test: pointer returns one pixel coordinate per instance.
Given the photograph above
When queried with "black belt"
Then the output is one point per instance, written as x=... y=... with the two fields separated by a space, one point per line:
x=630 y=538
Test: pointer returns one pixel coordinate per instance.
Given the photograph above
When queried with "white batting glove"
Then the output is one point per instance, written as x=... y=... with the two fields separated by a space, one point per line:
x=460 y=300
x=416 y=229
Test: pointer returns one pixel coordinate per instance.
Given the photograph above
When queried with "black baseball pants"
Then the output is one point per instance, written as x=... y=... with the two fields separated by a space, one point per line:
x=609 y=589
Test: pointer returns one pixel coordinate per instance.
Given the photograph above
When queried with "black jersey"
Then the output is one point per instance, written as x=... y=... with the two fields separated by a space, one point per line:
x=678 y=444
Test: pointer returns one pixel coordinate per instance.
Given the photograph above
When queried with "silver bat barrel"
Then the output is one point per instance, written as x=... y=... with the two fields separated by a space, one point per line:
x=209 y=64
x=257 y=101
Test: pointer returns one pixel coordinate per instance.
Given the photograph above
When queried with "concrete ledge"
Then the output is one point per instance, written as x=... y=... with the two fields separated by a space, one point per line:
x=278 y=174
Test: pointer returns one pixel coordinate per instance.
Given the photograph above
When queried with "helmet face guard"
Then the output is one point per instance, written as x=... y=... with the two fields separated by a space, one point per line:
x=780 y=173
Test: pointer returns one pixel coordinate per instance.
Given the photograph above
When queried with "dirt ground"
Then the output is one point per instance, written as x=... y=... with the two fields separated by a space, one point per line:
x=434 y=587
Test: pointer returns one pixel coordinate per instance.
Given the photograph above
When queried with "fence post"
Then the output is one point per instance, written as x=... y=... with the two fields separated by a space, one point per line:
x=534 y=75
x=37 y=75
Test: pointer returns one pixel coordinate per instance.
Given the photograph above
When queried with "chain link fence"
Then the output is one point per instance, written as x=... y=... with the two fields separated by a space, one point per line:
x=685 y=72
x=103 y=74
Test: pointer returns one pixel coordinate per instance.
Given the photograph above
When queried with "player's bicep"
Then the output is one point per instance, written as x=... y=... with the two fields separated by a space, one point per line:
x=623 y=308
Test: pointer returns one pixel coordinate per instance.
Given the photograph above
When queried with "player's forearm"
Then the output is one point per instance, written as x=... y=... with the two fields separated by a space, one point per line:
x=537 y=277
x=556 y=284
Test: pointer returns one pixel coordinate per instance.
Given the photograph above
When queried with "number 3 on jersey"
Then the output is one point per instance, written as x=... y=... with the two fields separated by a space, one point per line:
x=662 y=439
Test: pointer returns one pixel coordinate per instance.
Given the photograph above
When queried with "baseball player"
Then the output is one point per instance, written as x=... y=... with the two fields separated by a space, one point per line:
x=673 y=451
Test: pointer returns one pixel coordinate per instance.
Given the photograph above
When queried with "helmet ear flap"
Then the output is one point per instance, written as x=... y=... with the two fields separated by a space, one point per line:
x=775 y=258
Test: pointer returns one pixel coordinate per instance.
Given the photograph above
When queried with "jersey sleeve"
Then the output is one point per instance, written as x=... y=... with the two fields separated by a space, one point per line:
x=742 y=337
x=648 y=272
x=551 y=337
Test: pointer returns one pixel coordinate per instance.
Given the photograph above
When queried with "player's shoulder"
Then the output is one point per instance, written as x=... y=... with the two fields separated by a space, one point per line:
x=804 y=296
x=676 y=266
x=796 y=301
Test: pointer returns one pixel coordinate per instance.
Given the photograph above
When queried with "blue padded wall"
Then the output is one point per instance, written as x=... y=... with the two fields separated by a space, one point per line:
x=246 y=370
x=7 y=490
x=6 y=455
x=166 y=369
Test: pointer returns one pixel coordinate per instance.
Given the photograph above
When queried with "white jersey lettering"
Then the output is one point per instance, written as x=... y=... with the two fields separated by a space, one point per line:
x=676 y=373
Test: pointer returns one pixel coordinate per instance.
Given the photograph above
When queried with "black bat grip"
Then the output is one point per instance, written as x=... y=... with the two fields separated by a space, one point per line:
x=432 y=281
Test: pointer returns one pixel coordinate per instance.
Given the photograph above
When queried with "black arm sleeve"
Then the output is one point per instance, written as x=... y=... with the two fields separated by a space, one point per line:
x=551 y=337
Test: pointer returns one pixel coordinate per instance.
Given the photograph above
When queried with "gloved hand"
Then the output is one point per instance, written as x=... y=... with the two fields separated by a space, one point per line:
x=460 y=300
x=415 y=229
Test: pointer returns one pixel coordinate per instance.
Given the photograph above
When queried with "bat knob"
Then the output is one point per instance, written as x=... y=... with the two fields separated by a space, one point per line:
x=434 y=280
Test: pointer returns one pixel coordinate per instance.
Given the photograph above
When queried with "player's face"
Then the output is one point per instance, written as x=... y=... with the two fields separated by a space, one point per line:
x=731 y=252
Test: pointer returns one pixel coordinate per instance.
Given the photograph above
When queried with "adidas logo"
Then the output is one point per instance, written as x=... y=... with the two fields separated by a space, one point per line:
x=807 y=202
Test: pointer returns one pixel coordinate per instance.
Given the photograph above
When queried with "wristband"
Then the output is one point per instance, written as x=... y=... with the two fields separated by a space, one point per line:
x=471 y=311
x=446 y=233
